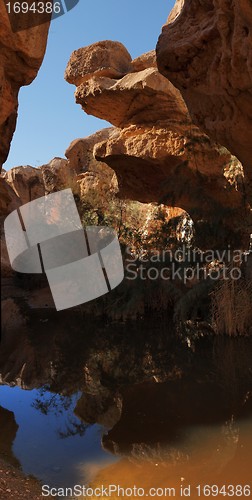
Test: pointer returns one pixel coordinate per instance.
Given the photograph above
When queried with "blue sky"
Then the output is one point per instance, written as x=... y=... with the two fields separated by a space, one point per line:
x=48 y=117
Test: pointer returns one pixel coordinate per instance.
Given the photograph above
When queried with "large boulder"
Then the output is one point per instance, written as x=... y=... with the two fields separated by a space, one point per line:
x=107 y=58
x=139 y=97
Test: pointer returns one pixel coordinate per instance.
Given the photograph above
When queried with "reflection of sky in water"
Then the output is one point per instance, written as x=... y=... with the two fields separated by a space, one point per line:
x=39 y=447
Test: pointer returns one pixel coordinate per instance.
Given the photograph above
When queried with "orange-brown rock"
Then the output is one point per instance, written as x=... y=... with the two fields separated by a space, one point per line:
x=56 y=175
x=150 y=161
x=93 y=178
x=80 y=152
x=205 y=50
x=147 y=60
x=176 y=10
x=139 y=97
x=159 y=155
x=80 y=171
x=26 y=182
x=152 y=165
x=21 y=55
x=8 y=198
x=9 y=201
x=17 y=187
x=107 y=58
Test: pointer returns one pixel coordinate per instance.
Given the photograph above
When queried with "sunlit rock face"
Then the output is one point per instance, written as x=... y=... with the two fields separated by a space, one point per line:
x=21 y=55
x=107 y=58
x=145 y=61
x=80 y=171
x=80 y=152
x=91 y=178
x=205 y=50
x=26 y=182
x=155 y=149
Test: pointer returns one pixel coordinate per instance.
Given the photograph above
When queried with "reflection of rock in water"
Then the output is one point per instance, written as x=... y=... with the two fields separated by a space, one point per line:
x=104 y=408
x=159 y=415
x=8 y=430
x=138 y=378
x=221 y=455
x=72 y=352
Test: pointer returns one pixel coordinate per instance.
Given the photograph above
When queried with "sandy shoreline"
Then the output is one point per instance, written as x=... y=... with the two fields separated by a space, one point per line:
x=14 y=484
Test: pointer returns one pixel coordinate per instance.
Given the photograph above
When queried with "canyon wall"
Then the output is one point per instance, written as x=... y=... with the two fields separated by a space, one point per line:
x=21 y=55
x=157 y=147
x=205 y=50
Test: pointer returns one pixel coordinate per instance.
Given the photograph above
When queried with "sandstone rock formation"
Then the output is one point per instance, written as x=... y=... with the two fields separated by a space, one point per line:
x=21 y=55
x=8 y=198
x=145 y=61
x=26 y=182
x=91 y=177
x=108 y=59
x=205 y=51
x=80 y=171
x=156 y=151
x=56 y=175
x=147 y=98
x=80 y=152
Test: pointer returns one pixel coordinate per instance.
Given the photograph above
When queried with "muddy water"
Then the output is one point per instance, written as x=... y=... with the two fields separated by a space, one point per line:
x=126 y=405
x=216 y=455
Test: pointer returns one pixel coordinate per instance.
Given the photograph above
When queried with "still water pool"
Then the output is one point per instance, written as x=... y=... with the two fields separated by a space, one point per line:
x=49 y=441
x=161 y=414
